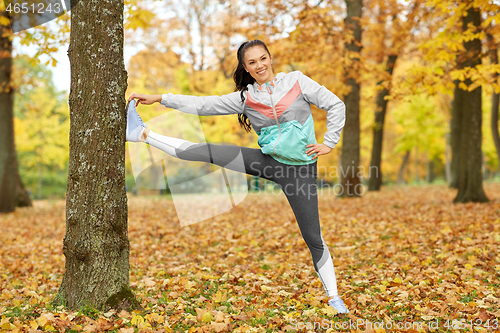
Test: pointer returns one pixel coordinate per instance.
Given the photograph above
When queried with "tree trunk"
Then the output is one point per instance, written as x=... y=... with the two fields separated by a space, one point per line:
x=350 y=144
x=12 y=192
x=495 y=99
x=447 y=167
x=417 y=176
x=469 y=173
x=39 y=190
x=96 y=243
x=427 y=167
x=431 y=176
x=7 y=148
x=23 y=198
x=401 y=179
x=378 y=131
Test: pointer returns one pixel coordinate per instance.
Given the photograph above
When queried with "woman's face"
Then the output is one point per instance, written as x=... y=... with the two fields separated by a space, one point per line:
x=258 y=63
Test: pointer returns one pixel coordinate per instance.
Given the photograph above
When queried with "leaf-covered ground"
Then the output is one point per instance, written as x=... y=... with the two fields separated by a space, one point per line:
x=405 y=257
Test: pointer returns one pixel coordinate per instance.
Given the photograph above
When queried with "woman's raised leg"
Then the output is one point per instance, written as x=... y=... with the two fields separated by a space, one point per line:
x=241 y=159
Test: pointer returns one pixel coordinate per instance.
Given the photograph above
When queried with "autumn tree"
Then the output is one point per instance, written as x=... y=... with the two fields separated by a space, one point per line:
x=47 y=42
x=420 y=129
x=350 y=134
x=12 y=191
x=96 y=244
x=469 y=114
x=398 y=32
x=41 y=128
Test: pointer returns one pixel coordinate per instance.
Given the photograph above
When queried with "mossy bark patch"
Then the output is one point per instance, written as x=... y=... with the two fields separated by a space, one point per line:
x=123 y=300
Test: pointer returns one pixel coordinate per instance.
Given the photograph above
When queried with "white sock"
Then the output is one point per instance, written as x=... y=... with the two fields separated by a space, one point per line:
x=165 y=143
x=327 y=276
x=326 y=272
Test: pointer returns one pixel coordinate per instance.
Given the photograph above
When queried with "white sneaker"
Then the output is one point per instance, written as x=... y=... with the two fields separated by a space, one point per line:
x=338 y=304
x=135 y=125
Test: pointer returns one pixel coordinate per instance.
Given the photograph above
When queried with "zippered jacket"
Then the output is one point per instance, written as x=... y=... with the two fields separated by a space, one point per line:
x=279 y=111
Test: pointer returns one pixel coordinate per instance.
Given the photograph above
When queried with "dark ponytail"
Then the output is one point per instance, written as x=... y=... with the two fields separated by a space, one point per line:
x=242 y=78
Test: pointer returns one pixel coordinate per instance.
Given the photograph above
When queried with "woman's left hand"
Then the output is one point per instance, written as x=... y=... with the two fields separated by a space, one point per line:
x=319 y=148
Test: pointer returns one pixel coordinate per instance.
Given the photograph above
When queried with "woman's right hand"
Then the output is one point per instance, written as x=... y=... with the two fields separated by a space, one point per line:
x=144 y=99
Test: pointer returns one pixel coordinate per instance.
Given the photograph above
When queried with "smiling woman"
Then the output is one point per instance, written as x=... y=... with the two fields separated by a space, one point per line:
x=278 y=108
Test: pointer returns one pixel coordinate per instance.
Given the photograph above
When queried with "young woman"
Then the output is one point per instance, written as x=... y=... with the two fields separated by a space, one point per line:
x=278 y=108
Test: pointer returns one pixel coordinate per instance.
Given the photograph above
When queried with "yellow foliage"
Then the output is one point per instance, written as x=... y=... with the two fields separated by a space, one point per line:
x=43 y=130
x=4 y=20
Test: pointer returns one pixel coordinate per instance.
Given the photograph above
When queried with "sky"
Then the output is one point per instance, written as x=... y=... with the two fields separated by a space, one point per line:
x=62 y=73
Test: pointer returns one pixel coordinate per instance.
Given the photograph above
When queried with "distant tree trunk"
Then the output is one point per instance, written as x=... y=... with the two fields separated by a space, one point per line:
x=427 y=167
x=23 y=198
x=39 y=166
x=401 y=179
x=96 y=243
x=447 y=167
x=487 y=174
x=469 y=173
x=378 y=131
x=350 y=143
x=12 y=192
x=417 y=177
x=495 y=99
x=430 y=176
x=7 y=148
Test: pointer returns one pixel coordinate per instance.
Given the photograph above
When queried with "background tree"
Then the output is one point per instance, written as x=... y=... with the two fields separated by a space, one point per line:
x=42 y=135
x=350 y=159
x=12 y=191
x=419 y=129
x=96 y=244
x=315 y=47
x=41 y=127
x=451 y=59
x=469 y=173
x=398 y=32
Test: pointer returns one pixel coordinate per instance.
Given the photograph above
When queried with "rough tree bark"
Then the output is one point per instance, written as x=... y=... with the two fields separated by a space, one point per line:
x=469 y=173
x=378 y=130
x=12 y=192
x=350 y=142
x=96 y=243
